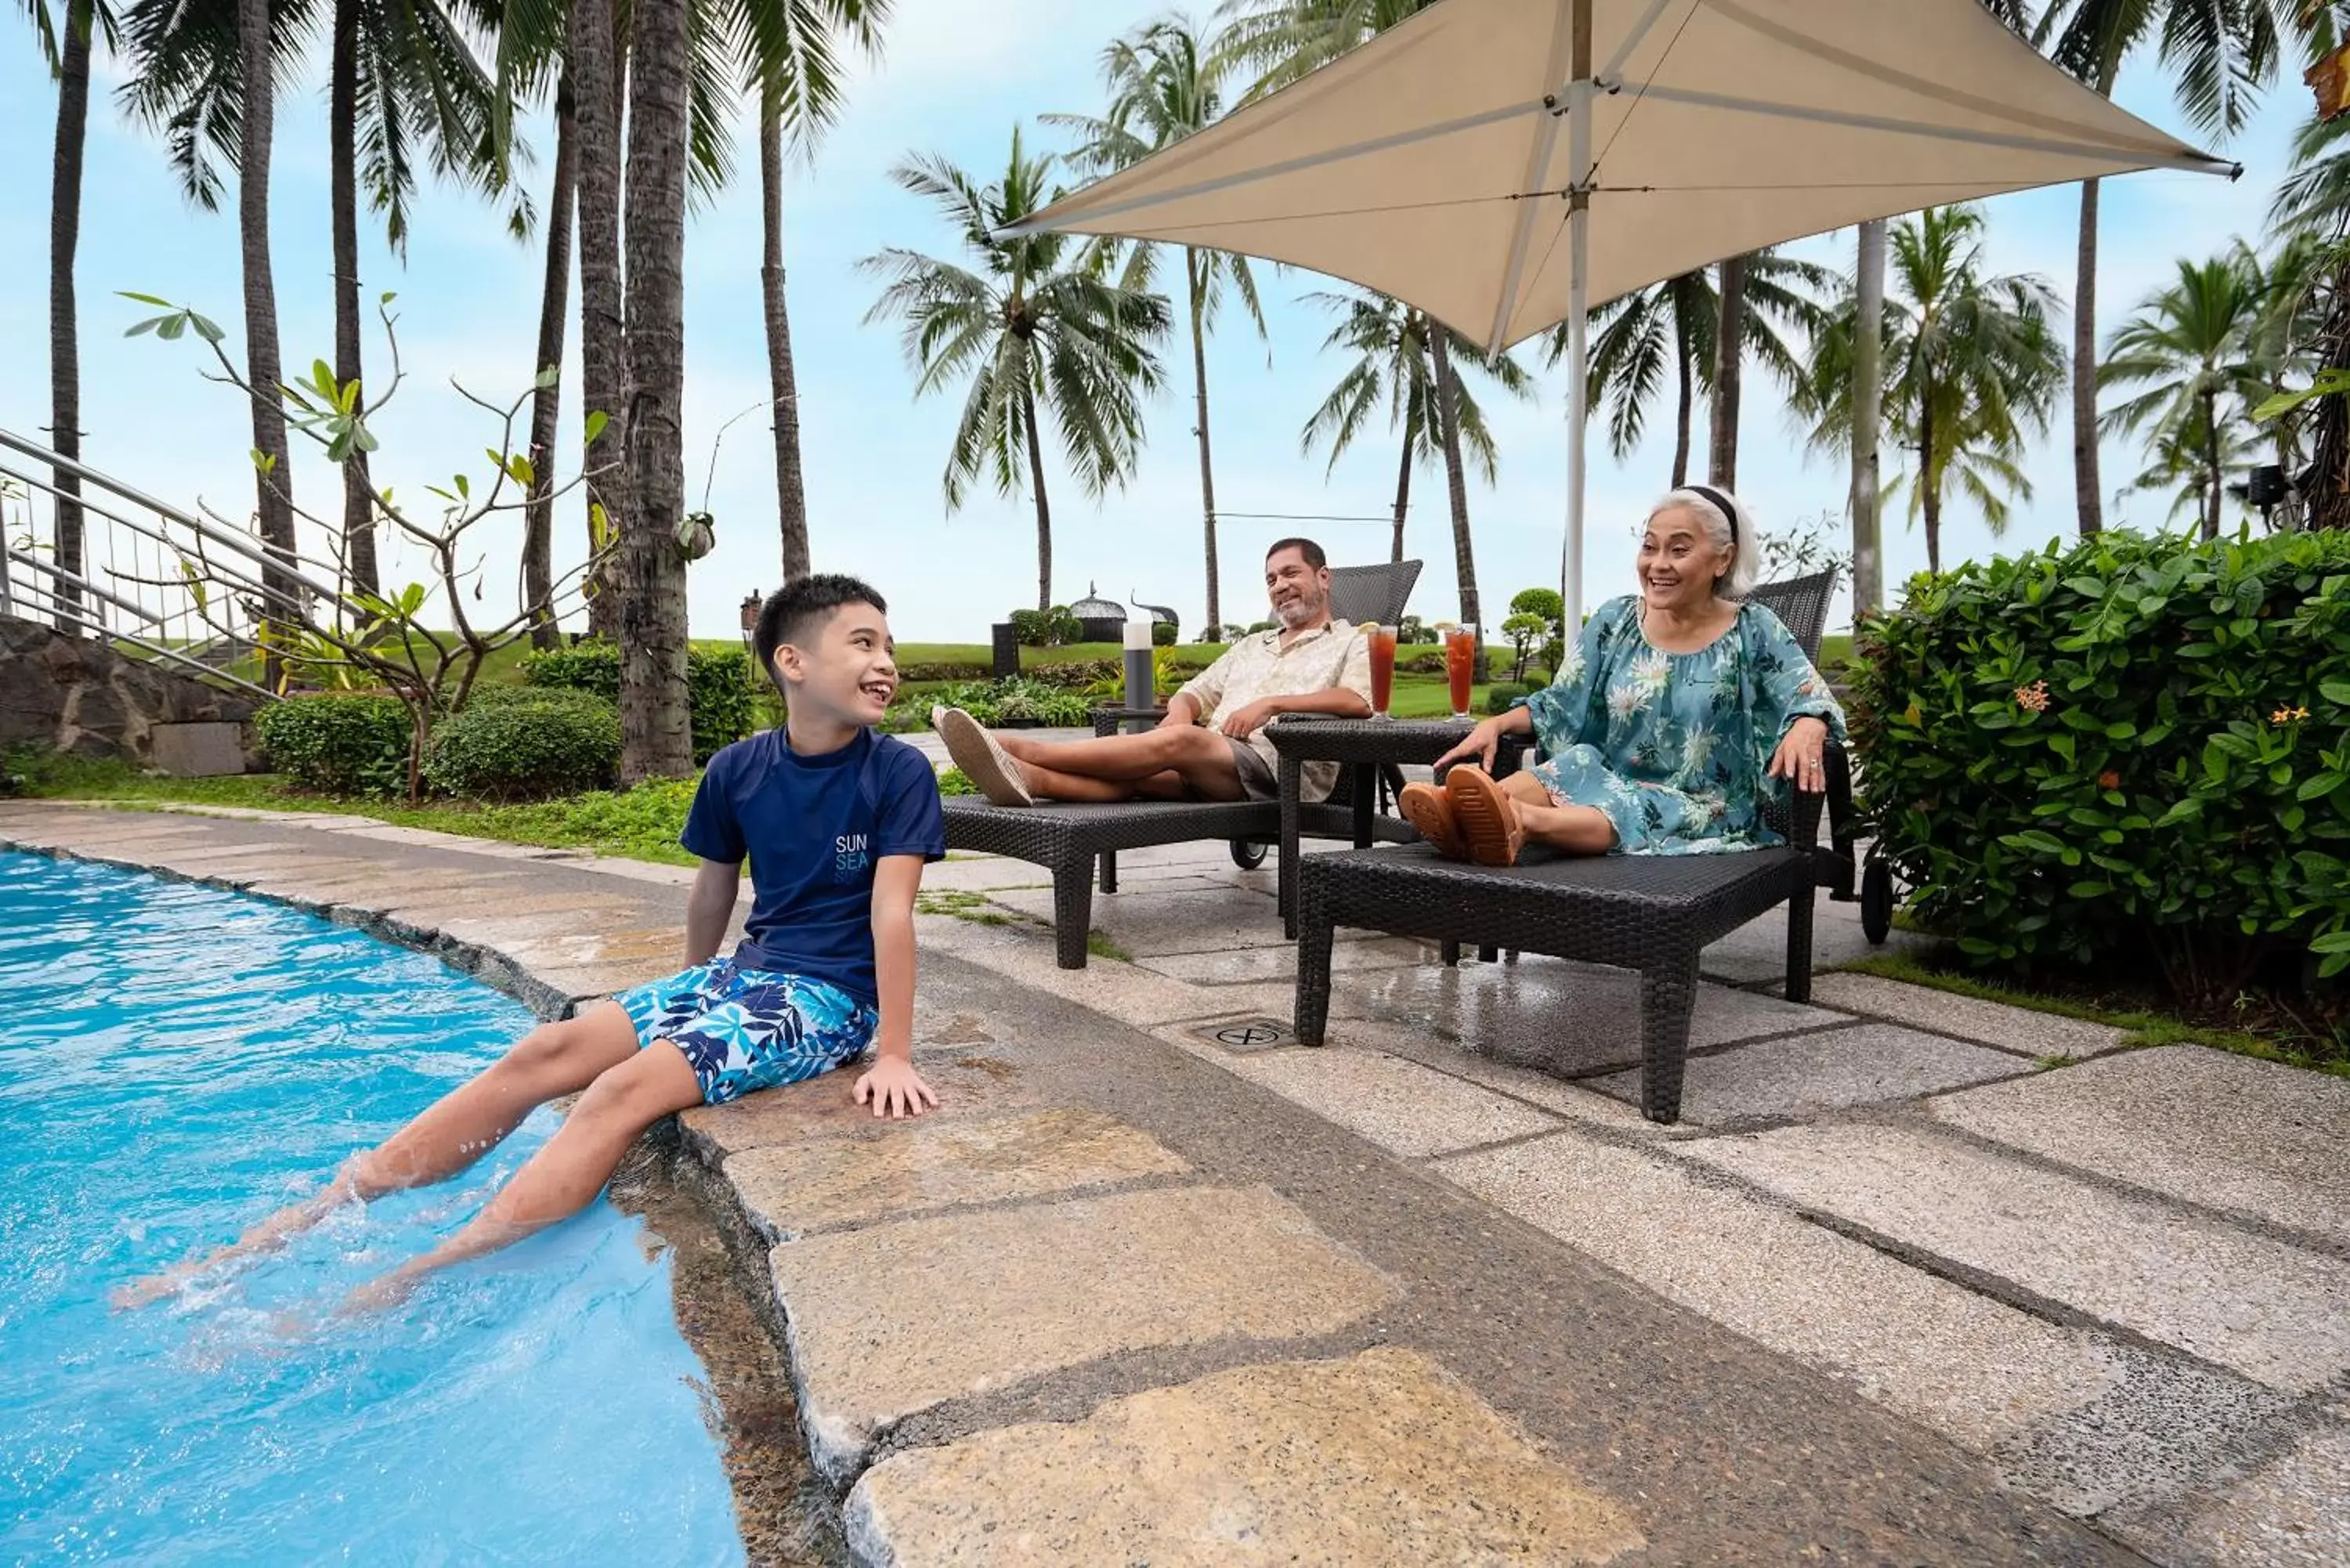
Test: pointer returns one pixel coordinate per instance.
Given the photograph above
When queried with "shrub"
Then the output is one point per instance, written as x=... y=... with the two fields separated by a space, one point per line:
x=720 y=690
x=521 y=749
x=1499 y=698
x=1411 y=629
x=2127 y=743
x=1076 y=674
x=1263 y=626
x=928 y=674
x=1046 y=628
x=994 y=702
x=953 y=781
x=341 y=743
x=1162 y=634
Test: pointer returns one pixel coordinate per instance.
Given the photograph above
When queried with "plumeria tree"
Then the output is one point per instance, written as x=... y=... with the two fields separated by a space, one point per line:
x=333 y=636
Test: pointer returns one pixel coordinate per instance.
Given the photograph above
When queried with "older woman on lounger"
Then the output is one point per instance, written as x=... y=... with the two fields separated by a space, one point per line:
x=1672 y=714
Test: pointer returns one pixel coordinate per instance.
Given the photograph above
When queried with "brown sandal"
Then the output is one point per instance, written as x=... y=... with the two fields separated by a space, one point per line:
x=1430 y=815
x=1486 y=820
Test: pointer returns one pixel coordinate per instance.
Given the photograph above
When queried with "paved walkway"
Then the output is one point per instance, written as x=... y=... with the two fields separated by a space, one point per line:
x=1158 y=1286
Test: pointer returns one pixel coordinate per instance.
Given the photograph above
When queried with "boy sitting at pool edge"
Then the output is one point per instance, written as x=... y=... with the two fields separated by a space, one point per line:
x=837 y=822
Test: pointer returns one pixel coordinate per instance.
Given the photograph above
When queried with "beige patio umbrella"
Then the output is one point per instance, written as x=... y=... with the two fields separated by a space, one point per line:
x=1505 y=164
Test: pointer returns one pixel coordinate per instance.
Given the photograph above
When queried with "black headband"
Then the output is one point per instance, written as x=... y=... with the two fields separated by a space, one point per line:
x=1720 y=502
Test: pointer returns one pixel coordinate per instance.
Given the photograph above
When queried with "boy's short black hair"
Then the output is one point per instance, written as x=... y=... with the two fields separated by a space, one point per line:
x=793 y=611
x=1306 y=547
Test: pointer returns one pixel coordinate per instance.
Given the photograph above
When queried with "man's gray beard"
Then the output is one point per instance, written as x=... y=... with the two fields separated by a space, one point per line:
x=1297 y=613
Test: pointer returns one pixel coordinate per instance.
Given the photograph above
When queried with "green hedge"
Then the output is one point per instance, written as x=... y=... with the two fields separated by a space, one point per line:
x=522 y=744
x=341 y=743
x=719 y=683
x=2129 y=743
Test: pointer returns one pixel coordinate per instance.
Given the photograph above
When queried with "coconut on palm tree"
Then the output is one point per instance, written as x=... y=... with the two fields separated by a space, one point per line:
x=1394 y=372
x=2219 y=53
x=1165 y=84
x=1638 y=338
x=1971 y=371
x=1037 y=329
x=2191 y=357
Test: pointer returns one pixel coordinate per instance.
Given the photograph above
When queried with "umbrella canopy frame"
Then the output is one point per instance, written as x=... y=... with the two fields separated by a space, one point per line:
x=1569 y=66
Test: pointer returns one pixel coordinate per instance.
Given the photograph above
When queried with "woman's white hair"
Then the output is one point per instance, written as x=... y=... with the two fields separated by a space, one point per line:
x=1728 y=531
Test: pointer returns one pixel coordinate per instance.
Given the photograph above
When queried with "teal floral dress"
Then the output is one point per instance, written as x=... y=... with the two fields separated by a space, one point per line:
x=1675 y=747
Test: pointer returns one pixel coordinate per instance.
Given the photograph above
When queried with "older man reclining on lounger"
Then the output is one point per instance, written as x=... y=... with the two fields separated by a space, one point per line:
x=1212 y=745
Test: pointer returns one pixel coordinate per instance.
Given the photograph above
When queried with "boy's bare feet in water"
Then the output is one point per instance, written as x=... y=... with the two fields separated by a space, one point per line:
x=269 y=1236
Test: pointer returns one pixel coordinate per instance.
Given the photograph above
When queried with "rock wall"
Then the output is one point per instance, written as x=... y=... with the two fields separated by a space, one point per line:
x=79 y=697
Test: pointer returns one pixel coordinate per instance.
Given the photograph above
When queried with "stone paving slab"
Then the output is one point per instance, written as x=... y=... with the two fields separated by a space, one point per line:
x=2202 y=1126
x=1809 y=1074
x=1402 y=1106
x=1241 y=966
x=2278 y=1315
x=1569 y=1018
x=1381 y=1459
x=897 y=1317
x=1973 y=1369
x=1757 y=953
x=2017 y=1029
x=791 y=1190
x=2294 y=1513
x=1153 y=925
x=972 y=1082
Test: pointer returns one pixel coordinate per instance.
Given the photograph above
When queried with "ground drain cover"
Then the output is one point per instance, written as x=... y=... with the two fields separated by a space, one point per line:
x=1246 y=1033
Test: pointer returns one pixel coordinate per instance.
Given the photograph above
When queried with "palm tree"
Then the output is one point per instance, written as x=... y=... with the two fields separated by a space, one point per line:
x=592 y=64
x=2191 y=356
x=2219 y=54
x=66 y=49
x=1637 y=336
x=794 y=67
x=1729 y=375
x=1164 y=85
x=656 y=739
x=1287 y=39
x=402 y=80
x=1972 y=368
x=546 y=400
x=1394 y=369
x=1040 y=330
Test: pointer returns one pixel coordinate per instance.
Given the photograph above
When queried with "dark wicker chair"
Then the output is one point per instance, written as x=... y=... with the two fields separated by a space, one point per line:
x=1075 y=841
x=1653 y=914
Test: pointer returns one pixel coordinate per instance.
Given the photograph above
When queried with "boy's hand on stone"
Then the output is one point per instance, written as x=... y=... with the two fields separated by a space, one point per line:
x=895 y=1089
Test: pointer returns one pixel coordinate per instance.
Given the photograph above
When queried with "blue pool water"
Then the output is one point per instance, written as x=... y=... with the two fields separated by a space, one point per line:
x=174 y=1062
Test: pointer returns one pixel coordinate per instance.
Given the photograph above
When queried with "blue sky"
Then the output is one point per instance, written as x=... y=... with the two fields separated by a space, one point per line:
x=958 y=76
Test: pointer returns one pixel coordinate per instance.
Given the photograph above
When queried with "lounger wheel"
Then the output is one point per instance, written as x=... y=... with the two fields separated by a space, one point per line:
x=1877 y=902
x=1247 y=854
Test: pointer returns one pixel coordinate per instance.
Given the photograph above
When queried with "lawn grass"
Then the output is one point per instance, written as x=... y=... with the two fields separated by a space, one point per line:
x=2142 y=1028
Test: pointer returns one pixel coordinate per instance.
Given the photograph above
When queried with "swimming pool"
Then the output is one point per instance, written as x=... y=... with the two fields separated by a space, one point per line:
x=174 y=1061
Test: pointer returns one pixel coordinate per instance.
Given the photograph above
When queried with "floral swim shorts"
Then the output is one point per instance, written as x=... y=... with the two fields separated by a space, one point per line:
x=745 y=1029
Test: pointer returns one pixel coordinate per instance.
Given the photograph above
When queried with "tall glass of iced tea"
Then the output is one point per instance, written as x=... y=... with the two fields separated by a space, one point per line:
x=1460 y=666
x=1383 y=652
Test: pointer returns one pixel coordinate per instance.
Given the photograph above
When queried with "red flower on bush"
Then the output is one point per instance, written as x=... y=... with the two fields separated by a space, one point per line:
x=2109 y=779
x=2032 y=698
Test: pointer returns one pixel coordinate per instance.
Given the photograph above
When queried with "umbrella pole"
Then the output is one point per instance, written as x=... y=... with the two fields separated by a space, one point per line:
x=1578 y=316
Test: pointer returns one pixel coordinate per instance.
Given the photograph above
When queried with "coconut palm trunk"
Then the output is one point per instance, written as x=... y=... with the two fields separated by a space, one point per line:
x=1044 y=507
x=546 y=401
x=1929 y=483
x=342 y=136
x=1684 y=395
x=1192 y=266
x=2086 y=481
x=791 y=494
x=1403 y=491
x=2214 y=477
x=1456 y=481
x=1729 y=365
x=65 y=345
x=273 y=477
x=593 y=63
x=656 y=737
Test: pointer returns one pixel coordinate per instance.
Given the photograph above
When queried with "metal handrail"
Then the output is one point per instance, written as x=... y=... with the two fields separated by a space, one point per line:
x=59 y=607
